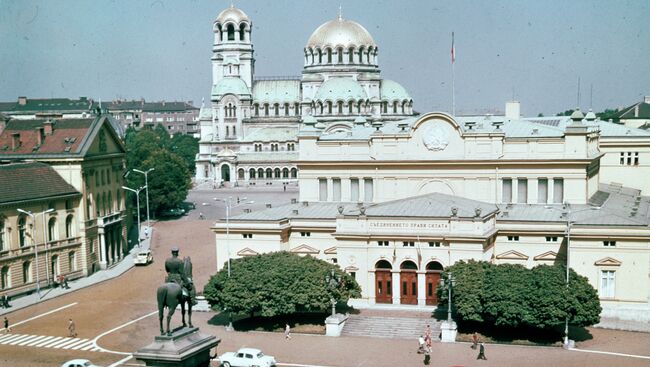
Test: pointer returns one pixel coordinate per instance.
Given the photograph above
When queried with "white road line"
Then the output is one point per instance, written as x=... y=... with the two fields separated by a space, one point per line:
x=10 y=337
x=48 y=341
x=43 y=314
x=121 y=361
x=99 y=349
x=91 y=346
x=57 y=343
x=84 y=344
x=29 y=340
x=609 y=353
x=117 y=328
x=38 y=340
x=15 y=341
x=299 y=365
x=61 y=345
x=7 y=336
x=78 y=342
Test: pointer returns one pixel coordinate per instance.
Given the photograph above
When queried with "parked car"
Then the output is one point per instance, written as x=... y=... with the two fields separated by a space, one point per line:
x=173 y=212
x=143 y=257
x=246 y=357
x=78 y=363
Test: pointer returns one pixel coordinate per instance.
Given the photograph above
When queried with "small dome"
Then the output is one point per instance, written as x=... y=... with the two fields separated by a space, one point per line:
x=336 y=89
x=230 y=85
x=391 y=90
x=591 y=116
x=232 y=14
x=340 y=32
x=577 y=115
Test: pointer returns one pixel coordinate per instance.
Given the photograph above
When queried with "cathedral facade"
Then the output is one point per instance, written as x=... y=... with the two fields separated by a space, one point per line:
x=249 y=132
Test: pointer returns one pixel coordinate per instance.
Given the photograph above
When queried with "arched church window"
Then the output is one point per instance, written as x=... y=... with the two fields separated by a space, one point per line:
x=234 y=130
x=242 y=31
x=227 y=130
x=233 y=111
x=286 y=109
x=329 y=107
x=351 y=55
x=231 y=32
x=384 y=107
x=296 y=108
x=395 y=107
x=257 y=109
x=329 y=55
x=361 y=55
x=340 y=107
x=276 y=108
x=320 y=56
x=251 y=173
x=339 y=53
x=266 y=109
x=350 y=105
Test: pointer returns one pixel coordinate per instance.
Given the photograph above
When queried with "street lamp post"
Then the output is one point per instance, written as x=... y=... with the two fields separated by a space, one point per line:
x=333 y=281
x=33 y=216
x=451 y=279
x=146 y=184
x=137 y=198
x=568 y=212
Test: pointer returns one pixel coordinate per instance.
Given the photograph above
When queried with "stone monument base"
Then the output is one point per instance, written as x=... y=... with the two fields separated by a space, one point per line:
x=334 y=324
x=186 y=347
x=449 y=330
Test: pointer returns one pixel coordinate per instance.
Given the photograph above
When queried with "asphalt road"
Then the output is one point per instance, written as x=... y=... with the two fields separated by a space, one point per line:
x=120 y=316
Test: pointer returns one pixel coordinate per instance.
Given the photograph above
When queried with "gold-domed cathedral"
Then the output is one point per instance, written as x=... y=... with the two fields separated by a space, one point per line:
x=249 y=130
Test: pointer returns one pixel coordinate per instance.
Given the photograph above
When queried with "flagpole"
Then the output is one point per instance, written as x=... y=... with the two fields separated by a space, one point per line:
x=453 y=76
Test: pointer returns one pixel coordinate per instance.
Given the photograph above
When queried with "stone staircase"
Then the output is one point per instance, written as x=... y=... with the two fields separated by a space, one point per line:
x=389 y=327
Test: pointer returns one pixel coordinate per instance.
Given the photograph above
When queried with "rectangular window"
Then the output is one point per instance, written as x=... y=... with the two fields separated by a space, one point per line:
x=382 y=243
x=506 y=195
x=434 y=244
x=622 y=161
x=542 y=191
x=607 y=283
x=305 y=234
x=636 y=158
x=551 y=239
x=336 y=189
x=522 y=190
x=353 y=274
x=408 y=244
x=629 y=158
x=247 y=235
x=558 y=190
x=513 y=238
x=354 y=189
x=367 y=190
x=609 y=243
x=322 y=189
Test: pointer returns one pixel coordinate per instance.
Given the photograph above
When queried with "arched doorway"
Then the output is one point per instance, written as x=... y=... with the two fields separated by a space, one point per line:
x=383 y=282
x=225 y=173
x=432 y=279
x=408 y=278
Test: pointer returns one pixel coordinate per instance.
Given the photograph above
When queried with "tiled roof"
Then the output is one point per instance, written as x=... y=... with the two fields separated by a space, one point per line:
x=276 y=91
x=632 y=113
x=168 y=107
x=66 y=137
x=31 y=181
x=48 y=104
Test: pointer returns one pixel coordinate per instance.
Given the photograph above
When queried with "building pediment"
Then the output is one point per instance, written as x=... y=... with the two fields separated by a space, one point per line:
x=512 y=255
x=330 y=251
x=547 y=256
x=304 y=249
x=608 y=261
x=247 y=252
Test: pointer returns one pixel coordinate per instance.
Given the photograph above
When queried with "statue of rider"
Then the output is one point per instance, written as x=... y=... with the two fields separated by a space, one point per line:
x=176 y=274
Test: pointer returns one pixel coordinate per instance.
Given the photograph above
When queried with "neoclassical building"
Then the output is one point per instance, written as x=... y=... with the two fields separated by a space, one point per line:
x=249 y=132
x=395 y=203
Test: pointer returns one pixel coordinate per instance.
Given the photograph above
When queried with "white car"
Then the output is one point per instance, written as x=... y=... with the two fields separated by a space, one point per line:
x=246 y=357
x=78 y=363
x=143 y=257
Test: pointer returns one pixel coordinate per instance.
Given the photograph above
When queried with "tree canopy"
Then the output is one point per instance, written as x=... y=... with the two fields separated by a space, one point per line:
x=278 y=283
x=512 y=295
x=171 y=157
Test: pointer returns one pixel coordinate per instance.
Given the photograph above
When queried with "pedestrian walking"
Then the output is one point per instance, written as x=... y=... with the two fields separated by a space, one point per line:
x=420 y=344
x=72 y=329
x=427 y=356
x=146 y=232
x=287 y=331
x=200 y=215
x=481 y=352
x=7 y=327
x=427 y=332
x=474 y=340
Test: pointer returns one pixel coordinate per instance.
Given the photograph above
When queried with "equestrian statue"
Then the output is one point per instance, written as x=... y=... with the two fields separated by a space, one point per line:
x=177 y=289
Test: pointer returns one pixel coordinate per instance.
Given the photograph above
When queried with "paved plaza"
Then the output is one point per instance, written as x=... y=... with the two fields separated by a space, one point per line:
x=117 y=316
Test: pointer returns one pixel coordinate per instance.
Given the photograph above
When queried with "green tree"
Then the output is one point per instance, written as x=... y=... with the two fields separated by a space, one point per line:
x=512 y=295
x=186 y=147
x=277 y=283
x=169 y=186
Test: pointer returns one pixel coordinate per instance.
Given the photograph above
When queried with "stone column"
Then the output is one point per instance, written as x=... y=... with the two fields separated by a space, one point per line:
x=330 y=190
x=371 y=287
x=422 y=288
x=102 y=248
x=396 y=286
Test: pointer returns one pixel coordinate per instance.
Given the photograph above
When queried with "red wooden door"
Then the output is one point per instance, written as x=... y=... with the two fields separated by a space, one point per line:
x=383 y=285
x=432 y=280
x=409 y=288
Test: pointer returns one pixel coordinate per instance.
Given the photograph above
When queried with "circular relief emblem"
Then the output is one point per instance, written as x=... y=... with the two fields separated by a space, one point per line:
x=436 y=138
x=352 y=259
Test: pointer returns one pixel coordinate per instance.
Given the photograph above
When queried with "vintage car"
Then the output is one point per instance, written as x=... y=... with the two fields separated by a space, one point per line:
x=78 y=363
x=143 y=257
x=246 y=357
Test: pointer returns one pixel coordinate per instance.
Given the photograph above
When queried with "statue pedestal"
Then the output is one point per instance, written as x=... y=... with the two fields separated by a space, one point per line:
x=449 y=330
x=334 y=324
x=186 y=347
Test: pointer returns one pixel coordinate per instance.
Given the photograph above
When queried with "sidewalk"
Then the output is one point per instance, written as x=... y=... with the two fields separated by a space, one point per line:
x=113 y=271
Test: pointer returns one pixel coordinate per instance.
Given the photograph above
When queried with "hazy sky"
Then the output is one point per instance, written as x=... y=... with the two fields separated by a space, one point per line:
x=161 y=49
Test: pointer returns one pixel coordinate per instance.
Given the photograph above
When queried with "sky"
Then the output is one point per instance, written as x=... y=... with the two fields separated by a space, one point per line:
x=534 y=51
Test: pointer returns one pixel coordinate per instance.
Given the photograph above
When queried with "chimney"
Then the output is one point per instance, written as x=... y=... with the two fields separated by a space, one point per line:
x=513 y=110
x=22 y=101
x=15 y=141
x=294 y=200
x=49 y=127
x=646 y=99
x=40 y=135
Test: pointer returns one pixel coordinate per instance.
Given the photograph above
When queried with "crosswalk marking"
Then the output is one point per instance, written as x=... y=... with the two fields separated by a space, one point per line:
x=45 y=341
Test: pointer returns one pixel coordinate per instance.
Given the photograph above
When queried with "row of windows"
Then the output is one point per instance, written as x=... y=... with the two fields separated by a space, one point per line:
x=104 y=204
x=274 y=147
x=629 y=159
x=354 y=189
x=363 y=56
x=52 y=232
x=103 y=177
x=230 y=31
x=276 y=109
x=27 y=270
x=555 y=239
x=543 y=194
x=261 y=173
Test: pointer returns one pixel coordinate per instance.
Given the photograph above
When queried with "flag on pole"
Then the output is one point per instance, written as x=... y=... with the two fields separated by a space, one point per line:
x=453 y=49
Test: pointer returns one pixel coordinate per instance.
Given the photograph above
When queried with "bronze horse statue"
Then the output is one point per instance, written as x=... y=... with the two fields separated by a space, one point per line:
x=171 y=294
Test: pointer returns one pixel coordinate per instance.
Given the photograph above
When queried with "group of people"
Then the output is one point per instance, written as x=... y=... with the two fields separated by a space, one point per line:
x=425 y=344
x=481 y=347
x=63 y=281
x=4 y=301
